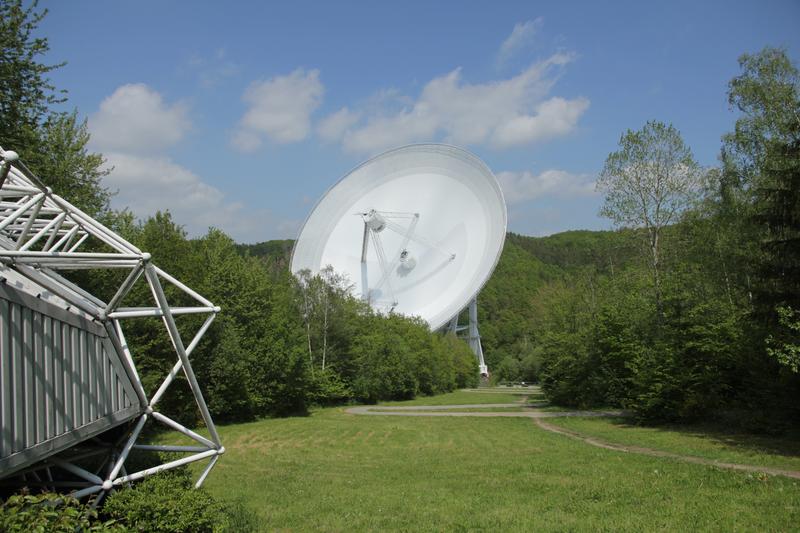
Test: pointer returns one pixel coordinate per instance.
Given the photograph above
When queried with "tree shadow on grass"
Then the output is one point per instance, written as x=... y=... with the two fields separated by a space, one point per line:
x=787 y=444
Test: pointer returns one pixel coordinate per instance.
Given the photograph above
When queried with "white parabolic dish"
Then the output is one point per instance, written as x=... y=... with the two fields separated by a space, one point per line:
x=438 y=203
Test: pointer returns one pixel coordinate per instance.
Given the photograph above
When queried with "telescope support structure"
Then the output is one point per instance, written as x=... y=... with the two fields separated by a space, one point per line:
x=57 y=436
x=473 y=335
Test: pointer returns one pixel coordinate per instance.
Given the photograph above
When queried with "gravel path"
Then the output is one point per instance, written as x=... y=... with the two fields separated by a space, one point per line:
x=538 y=415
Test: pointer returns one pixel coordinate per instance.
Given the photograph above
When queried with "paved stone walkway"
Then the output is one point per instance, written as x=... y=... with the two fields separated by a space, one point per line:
x=538 y=416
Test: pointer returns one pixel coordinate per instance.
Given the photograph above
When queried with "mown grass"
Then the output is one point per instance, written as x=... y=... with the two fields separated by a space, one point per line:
x=699 y=441
x=464 y=397
x=505 y=409
x=333 y=471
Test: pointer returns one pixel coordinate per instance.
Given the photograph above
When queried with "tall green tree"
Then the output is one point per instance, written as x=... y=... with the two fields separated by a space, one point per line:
x=767 y=94
x=52 y=143
x=26 y=93
x=648 y=183
x=762 y=157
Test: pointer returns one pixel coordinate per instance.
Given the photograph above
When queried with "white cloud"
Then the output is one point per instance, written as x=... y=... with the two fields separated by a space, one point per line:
x=555 y=117
x=279 y=109
x=135 y=128
x=147 y=184
x=135 y=119
x=150 y=184
x=521 y=36
x=523 y=186
x=212 y=70
x=332 y=127
x=501 y=113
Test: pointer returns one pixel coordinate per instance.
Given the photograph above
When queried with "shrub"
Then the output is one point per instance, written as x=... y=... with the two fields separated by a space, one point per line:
x=166 y=503
x=48 y=513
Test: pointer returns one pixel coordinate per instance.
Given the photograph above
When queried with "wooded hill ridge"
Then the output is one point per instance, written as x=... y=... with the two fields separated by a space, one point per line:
x=572 y=311
x=508 y=301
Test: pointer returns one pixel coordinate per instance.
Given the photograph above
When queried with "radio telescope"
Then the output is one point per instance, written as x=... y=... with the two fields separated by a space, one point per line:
x=418 y=230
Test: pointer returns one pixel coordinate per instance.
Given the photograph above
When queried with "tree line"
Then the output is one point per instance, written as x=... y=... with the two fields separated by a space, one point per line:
x=691 y=308
x=281 y=343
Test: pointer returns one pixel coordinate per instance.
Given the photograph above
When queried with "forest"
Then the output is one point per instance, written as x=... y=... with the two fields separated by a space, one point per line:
x=690 y=308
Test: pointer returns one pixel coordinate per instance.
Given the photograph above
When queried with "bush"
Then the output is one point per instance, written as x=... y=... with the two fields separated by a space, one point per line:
x=50 y=513
x=167 y=503
x=329 y=388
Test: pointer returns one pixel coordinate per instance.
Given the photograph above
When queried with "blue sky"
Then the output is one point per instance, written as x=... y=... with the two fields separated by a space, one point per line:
x=240 y=115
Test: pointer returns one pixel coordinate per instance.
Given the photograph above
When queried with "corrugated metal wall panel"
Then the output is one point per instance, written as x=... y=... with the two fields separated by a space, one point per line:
x=60 y=380
x=5 y=381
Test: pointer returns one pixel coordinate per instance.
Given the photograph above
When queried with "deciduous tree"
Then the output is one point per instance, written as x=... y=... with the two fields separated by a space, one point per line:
x=52 y=143
x=648 y=183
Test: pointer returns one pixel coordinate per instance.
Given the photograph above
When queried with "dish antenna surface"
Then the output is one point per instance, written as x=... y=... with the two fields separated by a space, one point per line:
x=418 y=230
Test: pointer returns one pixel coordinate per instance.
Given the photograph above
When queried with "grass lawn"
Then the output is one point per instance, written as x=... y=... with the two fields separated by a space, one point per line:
x=332 y=471
x=465 y=397
x=690 y=440
x=509 y=408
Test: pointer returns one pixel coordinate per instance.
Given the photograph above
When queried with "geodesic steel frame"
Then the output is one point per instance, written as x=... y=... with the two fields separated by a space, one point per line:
x=42 y=234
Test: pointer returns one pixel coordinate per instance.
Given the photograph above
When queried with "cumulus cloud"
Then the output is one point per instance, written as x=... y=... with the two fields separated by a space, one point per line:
x=135 y=119
x=521 y=36
x=332 y=127
x=523 y=186
x=135 y=128
x=150 y=184
x=552 y=118
x=279 y=109
x=501 y=113
x=147 y=184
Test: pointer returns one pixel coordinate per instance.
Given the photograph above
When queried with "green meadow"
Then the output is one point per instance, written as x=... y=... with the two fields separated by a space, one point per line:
x=334 y=471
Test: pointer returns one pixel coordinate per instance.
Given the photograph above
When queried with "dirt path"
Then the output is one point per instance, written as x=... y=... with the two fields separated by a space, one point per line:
x=660 y=453
x=538 y=415
x=441 y=410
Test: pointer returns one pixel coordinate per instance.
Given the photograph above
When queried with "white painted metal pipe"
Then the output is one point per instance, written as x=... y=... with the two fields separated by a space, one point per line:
x=127 y=448
x=177 y=367
x=150 y=311
x=27 y=205
x=86 y=492
x=64 y=239
x=78 y=471
x=35 y=213
x=70 y=255
x=125 y=288
x=42 y=232
x=168 y=448
x=172 y=329
x=183 y=287
x=78 y=244
x=181 y=429
x=166 y=466
x=207 y=470
x=56 y=231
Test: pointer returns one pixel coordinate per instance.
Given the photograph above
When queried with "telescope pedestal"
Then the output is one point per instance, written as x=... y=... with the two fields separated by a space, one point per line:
x=473 y=336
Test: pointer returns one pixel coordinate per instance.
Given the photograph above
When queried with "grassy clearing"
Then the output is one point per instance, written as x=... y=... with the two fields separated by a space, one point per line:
x=332 y=471
x=505 y=409
x=710 y=443
x=464 y=397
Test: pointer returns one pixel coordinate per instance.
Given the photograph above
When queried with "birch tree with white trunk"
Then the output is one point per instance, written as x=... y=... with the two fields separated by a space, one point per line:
x=647 y=184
